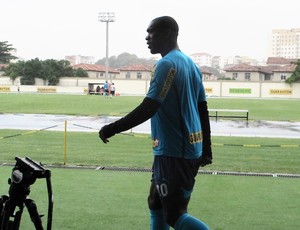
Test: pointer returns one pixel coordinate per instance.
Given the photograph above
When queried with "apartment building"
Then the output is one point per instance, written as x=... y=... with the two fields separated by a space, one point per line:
x=79 y=59
x=284 y=43
x=202 y=59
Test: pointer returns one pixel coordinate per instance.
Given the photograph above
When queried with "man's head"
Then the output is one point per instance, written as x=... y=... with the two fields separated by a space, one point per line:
x=162 y=35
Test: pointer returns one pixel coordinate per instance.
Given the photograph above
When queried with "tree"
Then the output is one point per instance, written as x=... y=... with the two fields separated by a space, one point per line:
x=31 y=70
x=53 y=70
x=80 y=73
x=5 y=52
x=13 y=70
x=49 y=70
x=296 y=74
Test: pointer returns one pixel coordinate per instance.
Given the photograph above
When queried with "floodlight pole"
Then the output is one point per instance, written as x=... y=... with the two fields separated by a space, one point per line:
x=106 y=17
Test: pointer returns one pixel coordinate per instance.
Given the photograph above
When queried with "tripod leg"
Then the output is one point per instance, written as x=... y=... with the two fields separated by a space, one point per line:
x=34 y=215
x=3 y=199
x=16 y=223
x=7 y=213
x=50 y=199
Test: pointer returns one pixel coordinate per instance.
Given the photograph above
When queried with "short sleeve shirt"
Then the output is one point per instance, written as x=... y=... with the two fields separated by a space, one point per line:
x=177 y=85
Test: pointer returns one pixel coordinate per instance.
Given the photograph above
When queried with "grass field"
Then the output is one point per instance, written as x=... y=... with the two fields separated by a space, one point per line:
x=135 y=151
x=91 y=199
x=91 y=105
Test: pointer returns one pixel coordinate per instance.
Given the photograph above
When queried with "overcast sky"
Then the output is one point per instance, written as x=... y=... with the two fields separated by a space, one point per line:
x=55 y=28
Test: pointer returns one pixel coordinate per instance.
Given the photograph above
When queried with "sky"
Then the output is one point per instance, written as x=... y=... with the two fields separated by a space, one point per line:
x=53 y=29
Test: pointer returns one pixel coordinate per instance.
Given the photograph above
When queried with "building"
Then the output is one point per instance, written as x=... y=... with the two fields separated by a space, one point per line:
x=219 y=62
x=79 y=59
x=207 y=74
x=202 y=59
x=97 y=71
x=138 y=71
x=284 y=72
x=280 y=61
x=284 y=43
x=282 y=67
x=246 y=72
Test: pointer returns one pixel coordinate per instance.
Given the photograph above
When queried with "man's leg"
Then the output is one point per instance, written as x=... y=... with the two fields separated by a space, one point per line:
x=177 y=190
x=188 y=222
x=157 y=218
x=177 y=216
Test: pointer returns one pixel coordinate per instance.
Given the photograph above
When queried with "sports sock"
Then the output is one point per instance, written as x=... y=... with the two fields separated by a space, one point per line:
x=157 y=220
x=188 y=222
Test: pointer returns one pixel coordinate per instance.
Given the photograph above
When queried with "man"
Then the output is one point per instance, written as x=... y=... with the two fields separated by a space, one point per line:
x=180 y=128
x=112 y=89
x=106 y=86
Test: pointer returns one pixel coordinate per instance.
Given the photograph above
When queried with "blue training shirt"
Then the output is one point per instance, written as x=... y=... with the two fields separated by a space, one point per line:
x=177 y=85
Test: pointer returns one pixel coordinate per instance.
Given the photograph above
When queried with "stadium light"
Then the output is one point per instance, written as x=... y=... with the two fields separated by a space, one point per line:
x=106 y=17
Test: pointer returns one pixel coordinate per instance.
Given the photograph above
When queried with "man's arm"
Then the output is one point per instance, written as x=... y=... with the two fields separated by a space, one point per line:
x=137 y=116
x=204 y=119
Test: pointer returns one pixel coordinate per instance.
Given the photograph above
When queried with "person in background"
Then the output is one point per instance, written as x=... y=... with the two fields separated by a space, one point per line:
x=106 y=89
x=180 y=129
x=112 y=89
x=18 y=86
x=98 y=90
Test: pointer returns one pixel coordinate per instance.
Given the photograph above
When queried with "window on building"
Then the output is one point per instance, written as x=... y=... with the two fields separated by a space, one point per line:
x=99 y=74
x=283 y=77
x=139 y=75
x=267 y=77
x=247 y=76
x=234 y=76
x=127 y=76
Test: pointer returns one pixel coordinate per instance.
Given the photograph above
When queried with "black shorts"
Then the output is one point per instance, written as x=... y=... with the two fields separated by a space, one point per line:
x=174 y=175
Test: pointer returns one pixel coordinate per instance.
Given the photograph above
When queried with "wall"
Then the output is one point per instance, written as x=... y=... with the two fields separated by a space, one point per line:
x=252 y=89
x=248 y=89
x=76 y=86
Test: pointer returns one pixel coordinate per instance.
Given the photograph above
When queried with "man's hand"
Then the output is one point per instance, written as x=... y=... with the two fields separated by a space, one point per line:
x=102 y=137
x=205 y=160
x=206 y=157
x=106 y=132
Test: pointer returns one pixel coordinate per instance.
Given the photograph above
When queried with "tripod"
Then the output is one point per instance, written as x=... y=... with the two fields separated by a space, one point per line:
x=24 y=174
